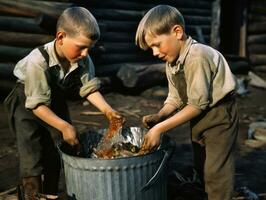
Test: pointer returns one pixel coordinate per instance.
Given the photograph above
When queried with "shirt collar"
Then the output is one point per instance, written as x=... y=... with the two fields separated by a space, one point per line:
x=182 y=57
x=53 y=60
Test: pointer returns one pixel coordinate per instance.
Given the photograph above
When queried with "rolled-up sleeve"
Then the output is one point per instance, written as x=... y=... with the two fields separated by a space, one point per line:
x=90 y=83
x=90 y=87
x=37 y=90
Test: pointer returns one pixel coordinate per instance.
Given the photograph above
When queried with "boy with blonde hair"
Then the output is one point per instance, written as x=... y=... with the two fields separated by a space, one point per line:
x=45 y=78
x=201 y=88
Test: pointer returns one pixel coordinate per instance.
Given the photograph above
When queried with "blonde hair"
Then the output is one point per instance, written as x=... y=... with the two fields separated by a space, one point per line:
x=158 y=20
x=78 y=20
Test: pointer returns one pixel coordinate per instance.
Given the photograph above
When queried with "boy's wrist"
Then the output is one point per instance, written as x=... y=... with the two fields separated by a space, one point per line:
x=63 y=126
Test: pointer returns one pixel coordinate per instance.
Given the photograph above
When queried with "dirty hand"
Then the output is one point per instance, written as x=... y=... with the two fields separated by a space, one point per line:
x=70 y=135
x=151 y=120
x=114 y=115
x=152 y=139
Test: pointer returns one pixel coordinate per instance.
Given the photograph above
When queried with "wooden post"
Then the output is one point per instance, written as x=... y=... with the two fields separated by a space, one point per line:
x=215 y=25
x=243 y=31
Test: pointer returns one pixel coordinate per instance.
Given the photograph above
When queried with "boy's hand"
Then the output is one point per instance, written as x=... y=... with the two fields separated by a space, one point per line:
x=152 y=140
x=151 y=120
x=70 y=135
x=114 y=115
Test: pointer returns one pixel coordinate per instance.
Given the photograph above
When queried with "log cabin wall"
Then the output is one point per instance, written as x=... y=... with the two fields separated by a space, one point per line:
x=29 y=23
x=256 y=33
x=118 y=20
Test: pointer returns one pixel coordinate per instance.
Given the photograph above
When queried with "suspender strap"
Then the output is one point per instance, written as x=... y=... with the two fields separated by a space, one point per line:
x=44 y=54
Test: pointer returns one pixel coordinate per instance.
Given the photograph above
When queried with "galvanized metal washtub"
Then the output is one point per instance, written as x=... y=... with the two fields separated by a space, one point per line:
x=130 y=178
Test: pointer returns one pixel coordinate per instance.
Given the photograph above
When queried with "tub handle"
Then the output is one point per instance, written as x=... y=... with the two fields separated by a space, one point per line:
x=155 y=177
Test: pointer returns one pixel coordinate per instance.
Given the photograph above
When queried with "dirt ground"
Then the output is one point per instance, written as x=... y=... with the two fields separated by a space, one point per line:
x=251 y=155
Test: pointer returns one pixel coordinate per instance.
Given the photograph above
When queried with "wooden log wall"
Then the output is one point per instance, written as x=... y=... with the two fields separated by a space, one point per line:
x=256 y=33
x=21 y=31
x=118 y=21
x=30 y=23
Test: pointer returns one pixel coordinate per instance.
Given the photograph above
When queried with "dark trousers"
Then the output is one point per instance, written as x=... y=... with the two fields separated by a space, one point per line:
x=35 y=139
x=214 y=135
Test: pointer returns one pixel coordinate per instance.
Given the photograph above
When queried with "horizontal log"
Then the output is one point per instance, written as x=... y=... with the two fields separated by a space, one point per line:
x=6 y=86
x=257 y=27
x=197 y=20
x=116 y=14
x=118 y=37
x=33 y=8
x=195 y=11
x=120 y=58
x=142 y=75
x=184 y=3
x=46 y=22
x=116 y=4
x=24 y=39
x=259 y=68
x=20 y=24
x=6 y=70
x=144 y=5
x=190 y=15
x=257 y=17
x=12 y=53
x=129 y=26
x=258 y=7
x=117 y=47
x=257 y=59
x=256 y=39
x=7 y=9
x=119 y=26
x=257 y=48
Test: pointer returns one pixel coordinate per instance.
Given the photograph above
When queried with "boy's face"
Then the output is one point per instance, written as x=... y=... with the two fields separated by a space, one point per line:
x=74 y=48
x=166 y=46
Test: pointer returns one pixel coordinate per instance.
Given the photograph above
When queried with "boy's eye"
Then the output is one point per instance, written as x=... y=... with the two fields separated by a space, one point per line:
x=157 y=45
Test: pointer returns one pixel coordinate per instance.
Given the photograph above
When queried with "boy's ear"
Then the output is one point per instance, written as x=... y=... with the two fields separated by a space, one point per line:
x=60 y=35
x=178 y=31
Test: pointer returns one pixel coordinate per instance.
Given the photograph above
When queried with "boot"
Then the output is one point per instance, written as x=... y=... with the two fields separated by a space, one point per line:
x=31 y=187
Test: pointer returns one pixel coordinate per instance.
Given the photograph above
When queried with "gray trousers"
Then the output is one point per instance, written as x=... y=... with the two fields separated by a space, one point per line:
x=214 y=135
x=35 y=139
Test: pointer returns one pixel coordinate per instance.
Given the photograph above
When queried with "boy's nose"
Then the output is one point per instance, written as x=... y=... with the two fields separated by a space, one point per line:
x=155 y=52
x=84 y=52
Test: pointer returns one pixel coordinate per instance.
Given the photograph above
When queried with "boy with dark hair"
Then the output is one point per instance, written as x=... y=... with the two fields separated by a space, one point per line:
x=38 y=102
x=201 y=88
